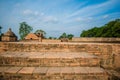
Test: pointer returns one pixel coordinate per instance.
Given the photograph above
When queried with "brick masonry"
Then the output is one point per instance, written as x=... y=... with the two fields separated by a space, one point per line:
x=52 y=73
x=48 y=59
x=105 y=51
x=15 y=64
x=94 y=39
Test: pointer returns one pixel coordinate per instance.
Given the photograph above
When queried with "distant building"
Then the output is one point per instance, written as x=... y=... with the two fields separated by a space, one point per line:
x=9 y=36
x=31 y=36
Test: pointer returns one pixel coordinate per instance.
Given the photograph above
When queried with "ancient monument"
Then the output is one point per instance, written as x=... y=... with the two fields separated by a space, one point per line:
x=34 y=37
x=31 y=36
x=9 y=36
x=80 y=59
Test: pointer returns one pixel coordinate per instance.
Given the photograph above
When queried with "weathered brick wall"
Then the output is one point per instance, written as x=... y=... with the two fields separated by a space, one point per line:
x=106 y=51
x=44 y=47
x=92 y=39
x=116 y=52
x=3 y=47
x=43 y=40
x=50 y=40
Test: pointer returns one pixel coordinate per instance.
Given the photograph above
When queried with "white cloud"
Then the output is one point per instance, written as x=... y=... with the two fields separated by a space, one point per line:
x=105 y=16
x=78 y=19
x=86 y=14
x=50 y=19
x=93 y=9
x=42 y=14
x=17 y=4
x=37 y=16
x=27 y=12
x=30 y=12
x=36 y=13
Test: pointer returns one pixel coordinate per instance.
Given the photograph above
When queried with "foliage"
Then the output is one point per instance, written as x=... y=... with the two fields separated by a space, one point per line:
x=64 y=35
x=70 y=36
x=40 y=32
x=24 y=30
x=52 y=37
x=0 y=30
x=111 y=29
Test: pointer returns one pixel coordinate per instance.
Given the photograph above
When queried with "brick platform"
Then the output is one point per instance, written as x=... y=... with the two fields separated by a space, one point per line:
x=52 y=73
x=55 y=61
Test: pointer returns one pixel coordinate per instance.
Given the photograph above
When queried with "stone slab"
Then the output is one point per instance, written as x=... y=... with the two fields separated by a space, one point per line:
x=54 y=71
x=26 y=70
x=80 y=70
x=2 y=69
x=40 y=70
x=13 y=70
x=67 y=70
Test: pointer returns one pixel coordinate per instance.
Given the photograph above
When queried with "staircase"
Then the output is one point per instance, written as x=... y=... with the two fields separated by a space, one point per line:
x=49 y=61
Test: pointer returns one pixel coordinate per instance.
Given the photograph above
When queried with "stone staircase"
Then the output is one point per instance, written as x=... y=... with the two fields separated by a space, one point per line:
x=48 y=59
x=28 y=61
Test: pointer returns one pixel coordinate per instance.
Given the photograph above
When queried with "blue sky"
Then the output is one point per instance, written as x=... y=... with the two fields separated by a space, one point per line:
x=58 y=16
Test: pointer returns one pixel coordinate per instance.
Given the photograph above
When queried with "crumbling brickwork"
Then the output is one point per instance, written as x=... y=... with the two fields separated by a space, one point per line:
x=57 y=61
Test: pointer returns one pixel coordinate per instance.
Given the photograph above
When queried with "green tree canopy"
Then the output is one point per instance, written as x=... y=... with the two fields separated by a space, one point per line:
x=24 y=29
x=0 y=30
x=64 y=35
x=111 y=29
x=70 y=36
x=52 y=37
x=40 y=32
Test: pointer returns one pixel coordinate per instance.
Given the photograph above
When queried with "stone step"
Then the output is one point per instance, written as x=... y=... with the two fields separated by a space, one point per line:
x=36 y=59
x=52 y=73
x=43 y=47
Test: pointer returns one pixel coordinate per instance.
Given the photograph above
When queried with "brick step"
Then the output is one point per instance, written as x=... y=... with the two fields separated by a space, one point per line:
x=2 y=49
x=52 y=73
x=37 y=59
x=43 y=47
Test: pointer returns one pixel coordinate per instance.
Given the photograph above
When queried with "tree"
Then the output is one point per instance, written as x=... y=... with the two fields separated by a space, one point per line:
x=111 y=29
x=64 y=35
x=70 y=36
x=0 y=33
x=24 y=30
x=52 y=37
x=0 y=30
x=116 y=29
x=40 y=32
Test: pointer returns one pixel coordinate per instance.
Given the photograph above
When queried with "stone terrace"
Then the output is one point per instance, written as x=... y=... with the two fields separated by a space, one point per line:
x=57 y=61
x=50 y=59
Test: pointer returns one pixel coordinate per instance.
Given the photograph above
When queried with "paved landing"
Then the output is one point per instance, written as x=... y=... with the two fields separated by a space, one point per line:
x=47 y=55
x=52 y=70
